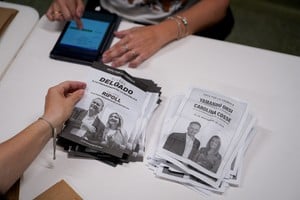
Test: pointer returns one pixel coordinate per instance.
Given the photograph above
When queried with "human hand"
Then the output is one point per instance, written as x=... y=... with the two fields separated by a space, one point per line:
x=135 y=46
x=66 y=10
x=60 y=101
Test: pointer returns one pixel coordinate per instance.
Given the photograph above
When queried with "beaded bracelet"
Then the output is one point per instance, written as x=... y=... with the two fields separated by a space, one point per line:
x=185 y=23
x=54 y=134
x=179 y=31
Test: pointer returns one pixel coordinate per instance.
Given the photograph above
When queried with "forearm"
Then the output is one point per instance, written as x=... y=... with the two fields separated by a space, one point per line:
x=18 y=152
x=202 y=15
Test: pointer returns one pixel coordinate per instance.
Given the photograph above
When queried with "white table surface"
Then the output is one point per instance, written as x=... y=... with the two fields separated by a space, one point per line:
x=16 y=33
x=269 y=81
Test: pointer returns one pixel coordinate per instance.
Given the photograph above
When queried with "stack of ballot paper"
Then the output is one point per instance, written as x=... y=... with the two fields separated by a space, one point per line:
x=109 y=122
x=203 y=141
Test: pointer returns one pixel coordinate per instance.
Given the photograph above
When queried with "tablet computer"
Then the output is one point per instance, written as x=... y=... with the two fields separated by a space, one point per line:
x=86 y=45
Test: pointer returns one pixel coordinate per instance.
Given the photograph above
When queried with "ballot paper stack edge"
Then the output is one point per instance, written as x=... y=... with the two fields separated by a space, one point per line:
x=203 y=141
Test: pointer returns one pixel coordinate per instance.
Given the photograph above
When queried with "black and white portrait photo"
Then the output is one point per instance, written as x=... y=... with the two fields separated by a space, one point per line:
x=86 y=123
x=184 y=144
x=114 y=135
x=209 y=156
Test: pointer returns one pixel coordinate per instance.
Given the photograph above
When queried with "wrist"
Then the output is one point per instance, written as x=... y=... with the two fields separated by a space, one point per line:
x=53 y=119
x=168 y=31
x=53 y=133
x=45 y=129
x=182 y=25
x=52 y=128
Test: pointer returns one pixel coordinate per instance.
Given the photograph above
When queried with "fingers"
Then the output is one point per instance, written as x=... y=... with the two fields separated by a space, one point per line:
x=54 y=12
x=79 y=23
x=79 y=8
x=125 y=58
x=73 y=90
x=134 y=47
x=122 y=52
x=123 y=33
x=61 y=99
x=131 y=57
x=66 y=10
x=76 y=96
x=71 y=86
x=136 y=62
x=79 y=12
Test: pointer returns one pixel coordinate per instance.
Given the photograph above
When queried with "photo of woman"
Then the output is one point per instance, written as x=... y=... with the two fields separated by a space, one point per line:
x=209 y=156
x=114 y=135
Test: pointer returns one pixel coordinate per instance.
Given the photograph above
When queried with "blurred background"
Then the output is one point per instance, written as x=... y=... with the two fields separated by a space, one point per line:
x=266 y=24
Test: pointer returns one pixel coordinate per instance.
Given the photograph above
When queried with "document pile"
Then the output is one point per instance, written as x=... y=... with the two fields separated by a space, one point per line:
x=109 y=122
x=203 y=141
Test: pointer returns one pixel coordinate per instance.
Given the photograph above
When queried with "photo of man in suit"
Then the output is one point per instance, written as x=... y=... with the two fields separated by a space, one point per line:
x=184 y=144
x=86 y=123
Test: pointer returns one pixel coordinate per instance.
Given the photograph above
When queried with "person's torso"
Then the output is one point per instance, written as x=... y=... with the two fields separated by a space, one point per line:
x=146 y=11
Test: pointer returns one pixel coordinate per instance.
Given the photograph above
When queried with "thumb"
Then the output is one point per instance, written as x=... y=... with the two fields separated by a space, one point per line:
x=76 y=96
x=121 y=34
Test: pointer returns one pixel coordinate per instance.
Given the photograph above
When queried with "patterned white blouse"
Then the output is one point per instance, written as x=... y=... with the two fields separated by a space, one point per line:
x=146 y=11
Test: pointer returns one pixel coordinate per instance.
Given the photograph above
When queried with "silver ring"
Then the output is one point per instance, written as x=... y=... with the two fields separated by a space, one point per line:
x=133 y=53
x=125 y=47
x=57 y=12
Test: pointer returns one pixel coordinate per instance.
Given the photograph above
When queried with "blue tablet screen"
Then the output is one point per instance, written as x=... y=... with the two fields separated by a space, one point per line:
x=89 y=37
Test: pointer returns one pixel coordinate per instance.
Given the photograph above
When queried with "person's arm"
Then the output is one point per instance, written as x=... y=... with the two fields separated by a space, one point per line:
x=65 y=10
x=204 y=14
x=18 y=152
x=139 y=43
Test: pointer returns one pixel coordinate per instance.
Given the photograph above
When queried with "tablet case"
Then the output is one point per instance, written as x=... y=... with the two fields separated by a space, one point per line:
x=107 y=40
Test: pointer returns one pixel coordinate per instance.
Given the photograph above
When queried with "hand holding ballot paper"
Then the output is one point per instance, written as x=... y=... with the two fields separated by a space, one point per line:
x=202 y=142
x=109 y=123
